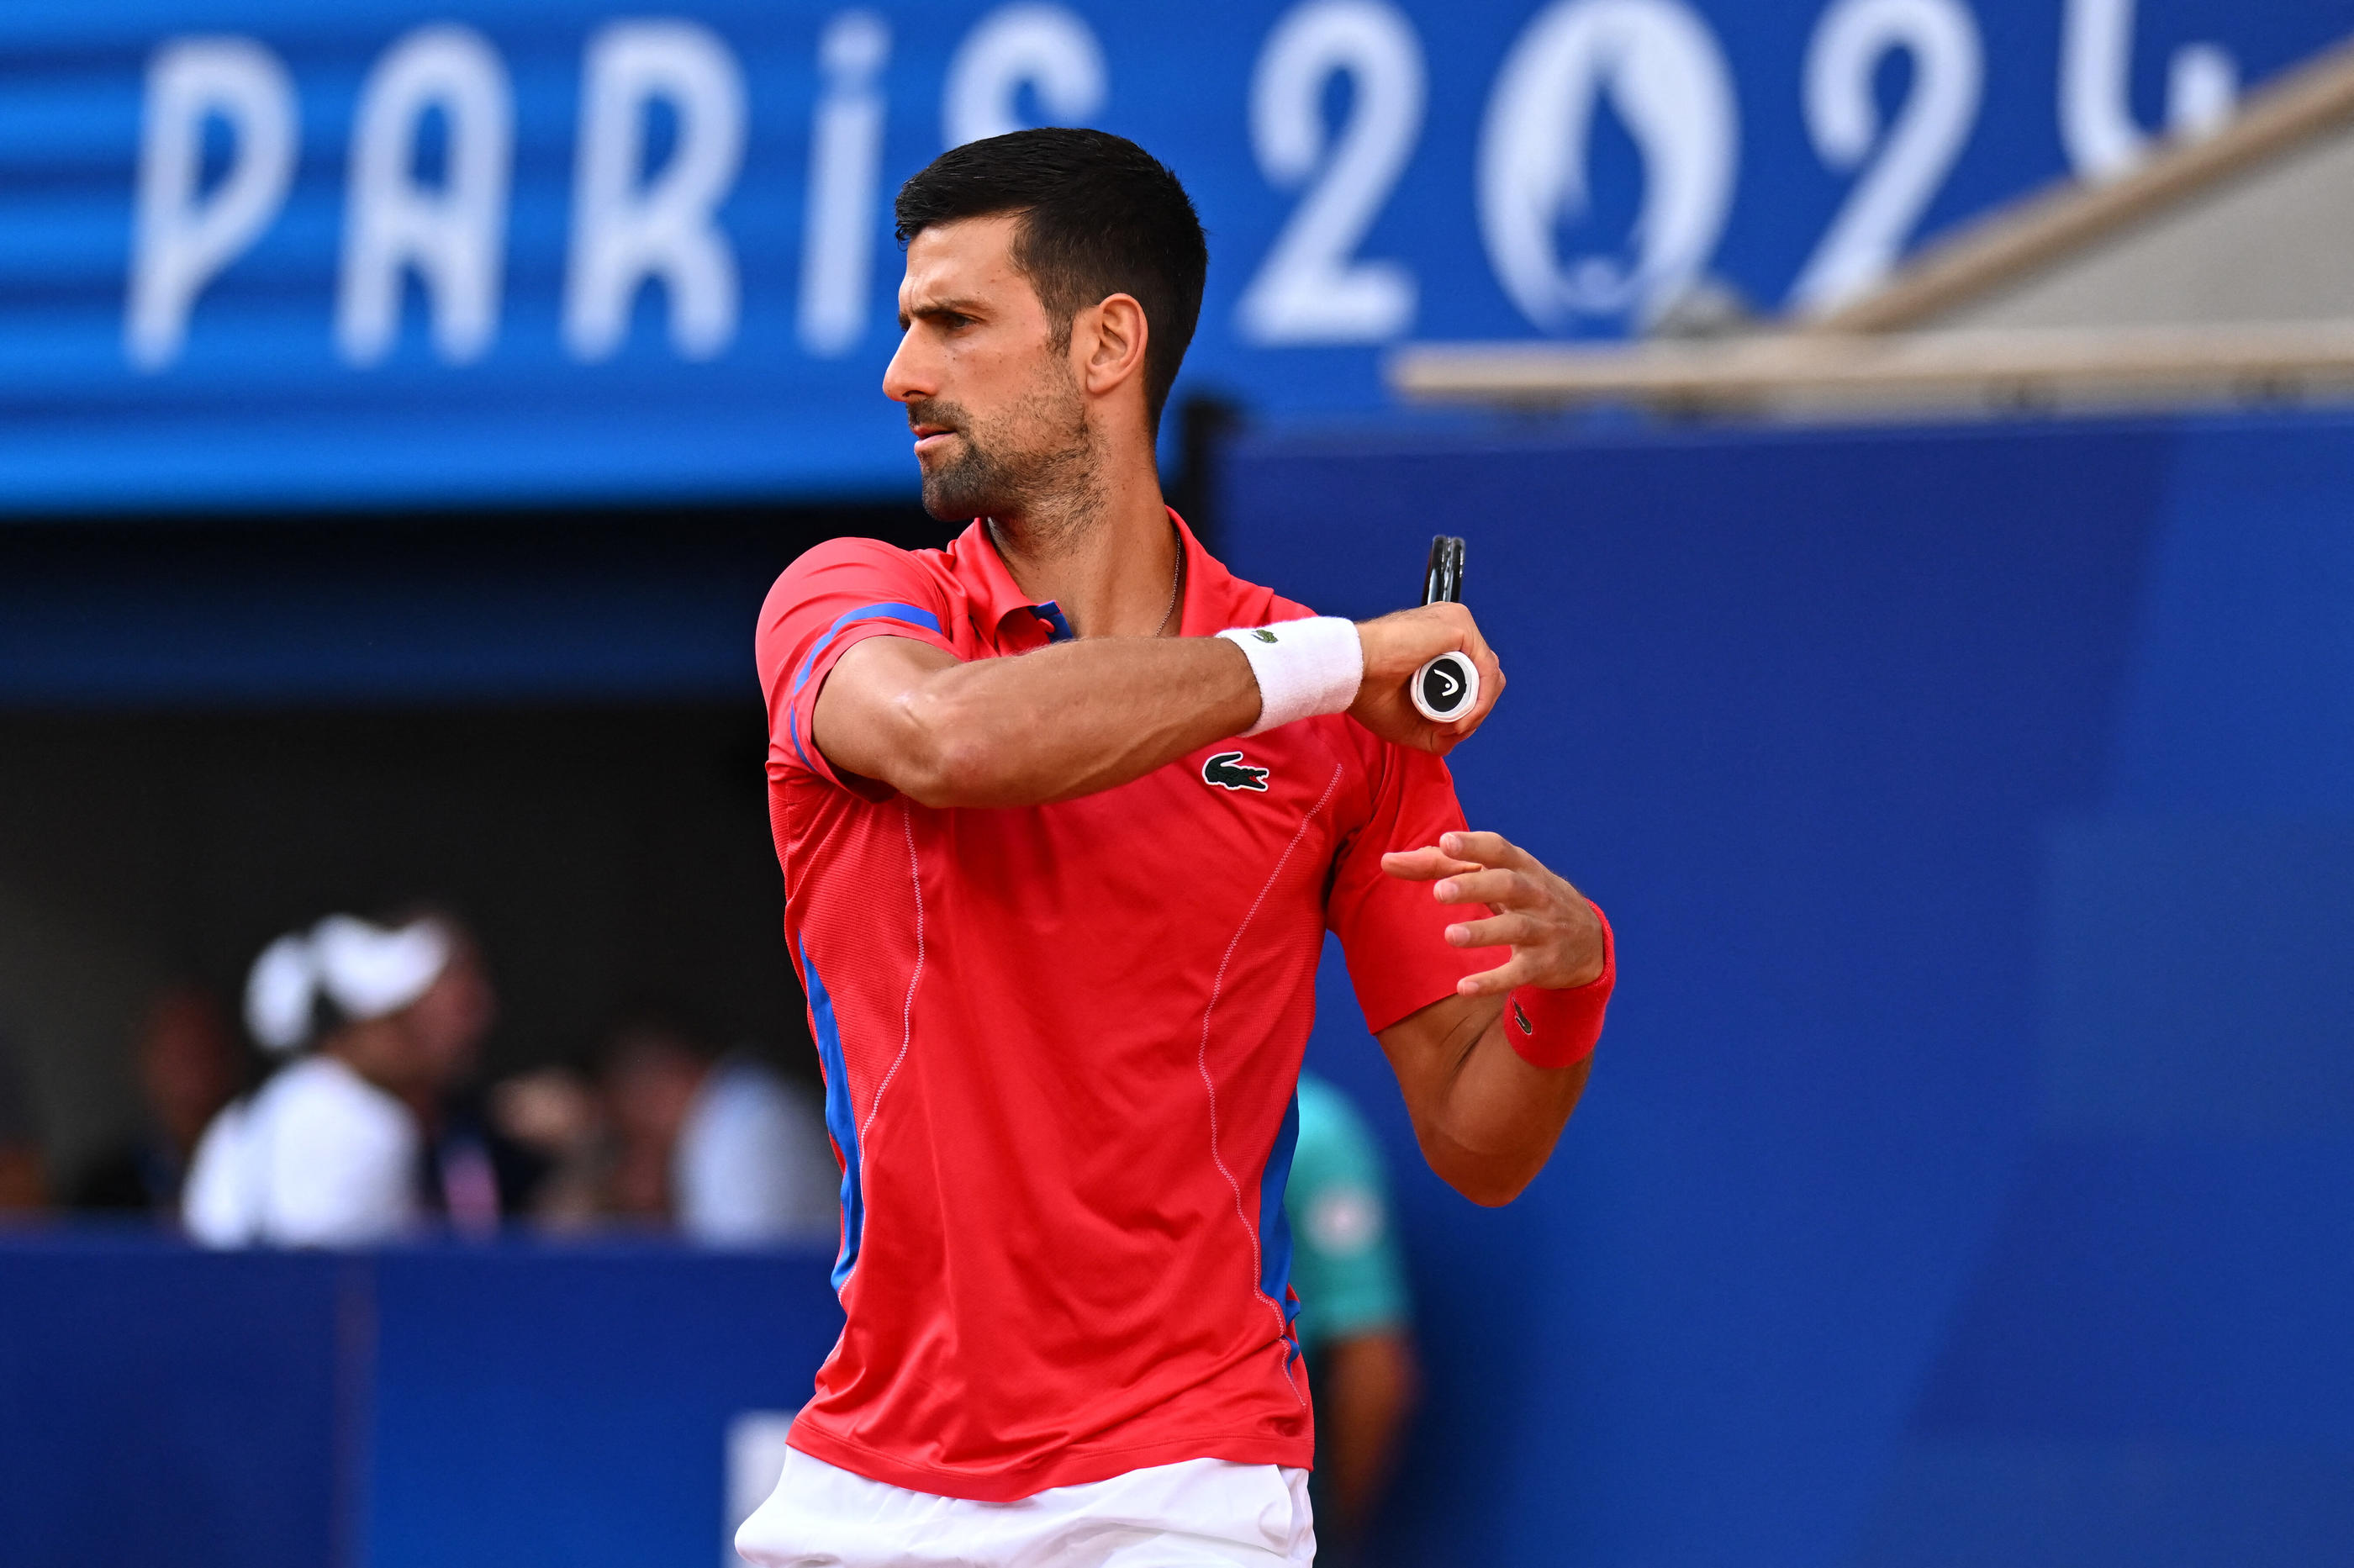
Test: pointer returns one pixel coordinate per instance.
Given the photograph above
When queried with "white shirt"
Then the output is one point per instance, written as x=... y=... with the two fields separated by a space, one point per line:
x=317 y=1157
x=753 y=1165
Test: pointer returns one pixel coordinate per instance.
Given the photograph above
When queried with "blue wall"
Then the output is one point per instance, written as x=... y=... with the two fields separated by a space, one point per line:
x=1968 y=1172
x=169 y=1406
x=1969 y=1168
x=457 y=1408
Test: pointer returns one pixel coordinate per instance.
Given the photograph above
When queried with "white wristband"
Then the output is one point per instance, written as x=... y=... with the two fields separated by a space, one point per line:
x=1303 y=667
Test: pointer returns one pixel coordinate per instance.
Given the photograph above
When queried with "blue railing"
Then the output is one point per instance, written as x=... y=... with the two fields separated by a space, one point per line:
x=445 y=1405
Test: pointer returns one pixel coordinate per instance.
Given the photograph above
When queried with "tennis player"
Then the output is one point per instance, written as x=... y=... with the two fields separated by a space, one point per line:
x=1065 y=810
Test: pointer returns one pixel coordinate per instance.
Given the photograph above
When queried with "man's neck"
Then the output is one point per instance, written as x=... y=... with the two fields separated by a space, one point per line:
x=1108 y=559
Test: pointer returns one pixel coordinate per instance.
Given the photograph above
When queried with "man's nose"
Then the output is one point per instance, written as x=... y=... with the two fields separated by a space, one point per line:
x=904 y=380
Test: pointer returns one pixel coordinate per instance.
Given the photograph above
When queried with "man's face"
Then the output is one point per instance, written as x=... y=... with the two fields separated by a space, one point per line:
x=998 y=419
x=651 y=1084
x=449 y=1021
x=187 y=1063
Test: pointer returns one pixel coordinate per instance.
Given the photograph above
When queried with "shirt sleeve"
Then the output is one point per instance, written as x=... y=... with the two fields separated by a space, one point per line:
x=1393 y=933
x=827 y=602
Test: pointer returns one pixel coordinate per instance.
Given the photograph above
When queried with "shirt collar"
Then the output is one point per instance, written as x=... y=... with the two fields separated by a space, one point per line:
x=996 y=596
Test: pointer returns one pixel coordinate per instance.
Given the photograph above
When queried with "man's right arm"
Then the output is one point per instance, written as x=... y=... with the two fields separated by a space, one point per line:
x=1062 y=721
x=1078 y=717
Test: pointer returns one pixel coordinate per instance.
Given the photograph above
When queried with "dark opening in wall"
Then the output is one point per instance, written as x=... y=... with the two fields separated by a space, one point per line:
x=212 y=733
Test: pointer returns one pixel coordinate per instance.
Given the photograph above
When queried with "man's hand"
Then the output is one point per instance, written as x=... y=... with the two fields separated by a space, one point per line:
x=1554 y=935
x=1486 y=1116
x=1399 y=645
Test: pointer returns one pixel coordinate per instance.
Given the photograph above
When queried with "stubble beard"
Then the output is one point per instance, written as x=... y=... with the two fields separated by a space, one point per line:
x=1033 y=474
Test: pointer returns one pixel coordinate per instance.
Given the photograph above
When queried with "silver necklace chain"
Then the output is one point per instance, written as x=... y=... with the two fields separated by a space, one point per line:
x=1176 y=581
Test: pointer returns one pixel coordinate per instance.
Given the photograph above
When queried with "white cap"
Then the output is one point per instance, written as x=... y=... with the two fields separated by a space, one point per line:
x=367 y=970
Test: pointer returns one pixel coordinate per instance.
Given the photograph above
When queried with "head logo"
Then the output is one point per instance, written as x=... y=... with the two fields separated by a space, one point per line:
x=1227 y=772
x=1262 y=633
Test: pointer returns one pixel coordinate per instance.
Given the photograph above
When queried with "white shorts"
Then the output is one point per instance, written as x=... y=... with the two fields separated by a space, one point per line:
x=1196 y=1512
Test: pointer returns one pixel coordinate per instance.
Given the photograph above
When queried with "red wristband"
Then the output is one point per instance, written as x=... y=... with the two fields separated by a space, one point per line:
x=1559 y=1028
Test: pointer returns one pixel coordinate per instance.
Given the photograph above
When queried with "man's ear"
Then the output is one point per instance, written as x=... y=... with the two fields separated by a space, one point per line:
x=1108 y=343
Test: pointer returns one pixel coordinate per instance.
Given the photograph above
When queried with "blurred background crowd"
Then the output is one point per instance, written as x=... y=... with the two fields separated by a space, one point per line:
x=345 y=1102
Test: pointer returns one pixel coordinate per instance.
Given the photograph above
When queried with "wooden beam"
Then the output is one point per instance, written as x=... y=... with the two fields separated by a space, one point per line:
x=1935 y=366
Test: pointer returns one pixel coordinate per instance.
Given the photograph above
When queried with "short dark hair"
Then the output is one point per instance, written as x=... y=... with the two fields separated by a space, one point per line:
x=1101 y=216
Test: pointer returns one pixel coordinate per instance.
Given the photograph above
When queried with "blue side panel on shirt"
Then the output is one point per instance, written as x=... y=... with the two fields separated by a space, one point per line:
x=841 y=1121
x=1274 y=1225
x=913 y=614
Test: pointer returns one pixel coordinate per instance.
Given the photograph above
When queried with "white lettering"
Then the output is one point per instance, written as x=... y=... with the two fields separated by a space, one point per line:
x=1843 y=118
x=630 y=224
x=455 y=235
x=845 y=163
x=1311 y=288
x=1043 y=47
x=182 y=237
x=2096 y=123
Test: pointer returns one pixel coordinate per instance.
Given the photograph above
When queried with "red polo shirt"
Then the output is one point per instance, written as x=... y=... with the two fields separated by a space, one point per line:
x=1061 y=1045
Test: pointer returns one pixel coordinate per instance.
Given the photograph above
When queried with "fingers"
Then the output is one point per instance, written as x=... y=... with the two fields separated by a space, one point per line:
x=1398 y=644
x=1492 y=679
x=1553 y=932
x=1457 y=633
x=1510 y=928
x=1488 y=868
x=1462 y=631
x=1504 y=977
x=1425 y=865
x=1505 y=889
x=1488 y=849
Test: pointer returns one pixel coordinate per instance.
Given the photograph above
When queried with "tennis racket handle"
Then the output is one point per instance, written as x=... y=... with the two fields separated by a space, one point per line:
x=1445 y=689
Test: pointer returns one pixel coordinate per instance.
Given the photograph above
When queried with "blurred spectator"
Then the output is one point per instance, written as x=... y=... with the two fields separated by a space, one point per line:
x=557 y=1116
x=719 y=1145
x=326 y=1152
x=188 y=1068
x=1353 y=1315
x=22 y=1189
x=475 y=1177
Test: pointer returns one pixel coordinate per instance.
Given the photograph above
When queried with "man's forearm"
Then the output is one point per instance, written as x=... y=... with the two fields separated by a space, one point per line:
x=1061 y=722
x=1487 y=1115
x=1497 y=1117
x=1092 y=715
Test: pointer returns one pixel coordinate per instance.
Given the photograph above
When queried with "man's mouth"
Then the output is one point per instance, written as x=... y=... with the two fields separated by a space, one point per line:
x=929 y=438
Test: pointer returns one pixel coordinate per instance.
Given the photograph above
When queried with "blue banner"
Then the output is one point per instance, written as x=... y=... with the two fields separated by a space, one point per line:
x=263 y=253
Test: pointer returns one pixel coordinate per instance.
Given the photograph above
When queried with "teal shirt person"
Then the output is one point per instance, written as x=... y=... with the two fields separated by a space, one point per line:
x=1344 y=1258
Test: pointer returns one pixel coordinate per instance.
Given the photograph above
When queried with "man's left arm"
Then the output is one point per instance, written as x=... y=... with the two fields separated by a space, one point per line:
x=1491 y=1074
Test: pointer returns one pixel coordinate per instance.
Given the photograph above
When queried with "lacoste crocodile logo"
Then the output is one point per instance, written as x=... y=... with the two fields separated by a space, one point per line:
x=1227 y=771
